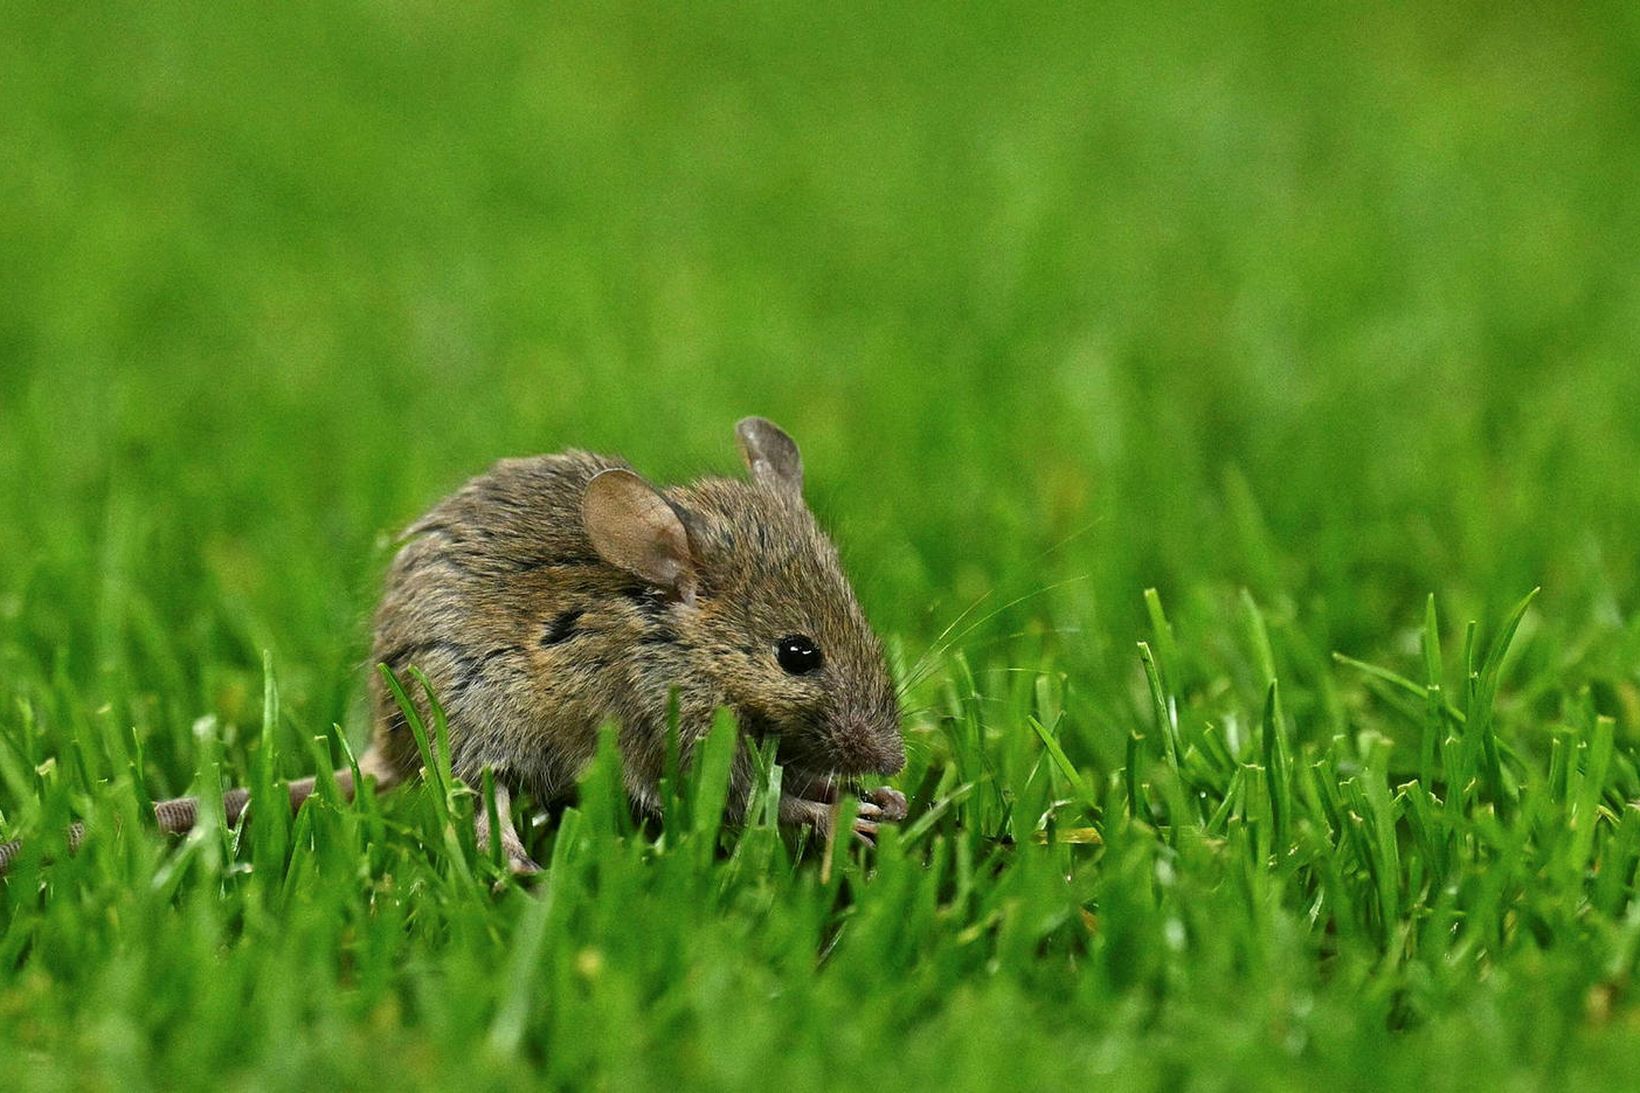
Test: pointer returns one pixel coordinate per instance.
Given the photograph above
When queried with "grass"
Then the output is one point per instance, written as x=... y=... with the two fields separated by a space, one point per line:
x=1179 y=385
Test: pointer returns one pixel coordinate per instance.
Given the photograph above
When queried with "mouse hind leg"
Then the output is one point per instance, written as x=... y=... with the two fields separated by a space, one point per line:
x=518 y=858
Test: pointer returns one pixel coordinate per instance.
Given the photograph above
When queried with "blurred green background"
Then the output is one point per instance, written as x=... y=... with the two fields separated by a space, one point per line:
x=276 y=278
x=1339 y=303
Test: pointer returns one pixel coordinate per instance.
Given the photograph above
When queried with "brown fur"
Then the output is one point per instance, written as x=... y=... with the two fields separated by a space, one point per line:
x=535 y=630
x=532 y=640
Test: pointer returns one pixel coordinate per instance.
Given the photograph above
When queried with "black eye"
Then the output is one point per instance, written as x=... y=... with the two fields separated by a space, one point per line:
x=797 y=654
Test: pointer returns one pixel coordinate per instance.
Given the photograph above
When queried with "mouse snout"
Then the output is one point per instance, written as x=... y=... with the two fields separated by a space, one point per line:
x=890 y=749
x=893 y=757
x=866 y=747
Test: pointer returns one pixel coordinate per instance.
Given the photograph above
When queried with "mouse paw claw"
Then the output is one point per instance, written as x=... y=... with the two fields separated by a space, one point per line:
x=884 y=803
x=876 y=807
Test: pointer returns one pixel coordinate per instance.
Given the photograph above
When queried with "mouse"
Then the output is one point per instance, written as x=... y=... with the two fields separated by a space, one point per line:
x=555 y=594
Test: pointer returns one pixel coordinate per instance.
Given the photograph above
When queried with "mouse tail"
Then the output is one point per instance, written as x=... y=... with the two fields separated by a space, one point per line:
x=179 y=815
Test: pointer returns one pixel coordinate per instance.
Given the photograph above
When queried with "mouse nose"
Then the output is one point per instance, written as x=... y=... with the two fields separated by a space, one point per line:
x=892 y=756
x=866 y=748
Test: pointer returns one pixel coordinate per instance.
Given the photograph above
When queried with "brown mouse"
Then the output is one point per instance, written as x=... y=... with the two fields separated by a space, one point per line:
x=555 y=594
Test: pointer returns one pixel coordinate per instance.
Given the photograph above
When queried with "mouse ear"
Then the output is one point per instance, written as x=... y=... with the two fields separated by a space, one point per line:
x=770 y=455
x=633 y=528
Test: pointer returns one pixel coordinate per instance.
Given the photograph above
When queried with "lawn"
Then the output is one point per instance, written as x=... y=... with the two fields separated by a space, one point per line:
x=1197 y=398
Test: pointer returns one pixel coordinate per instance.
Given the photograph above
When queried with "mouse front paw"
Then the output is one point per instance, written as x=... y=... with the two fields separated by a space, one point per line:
x=884 y=804
x=878 y=806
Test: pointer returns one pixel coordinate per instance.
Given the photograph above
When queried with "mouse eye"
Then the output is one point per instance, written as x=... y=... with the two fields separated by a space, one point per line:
x=797 y=654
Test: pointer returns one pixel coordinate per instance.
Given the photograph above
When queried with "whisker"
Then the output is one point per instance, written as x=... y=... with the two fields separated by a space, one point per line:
x=1071 y=538
x=995 y=641
x=919 y=673
x=934 y=647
